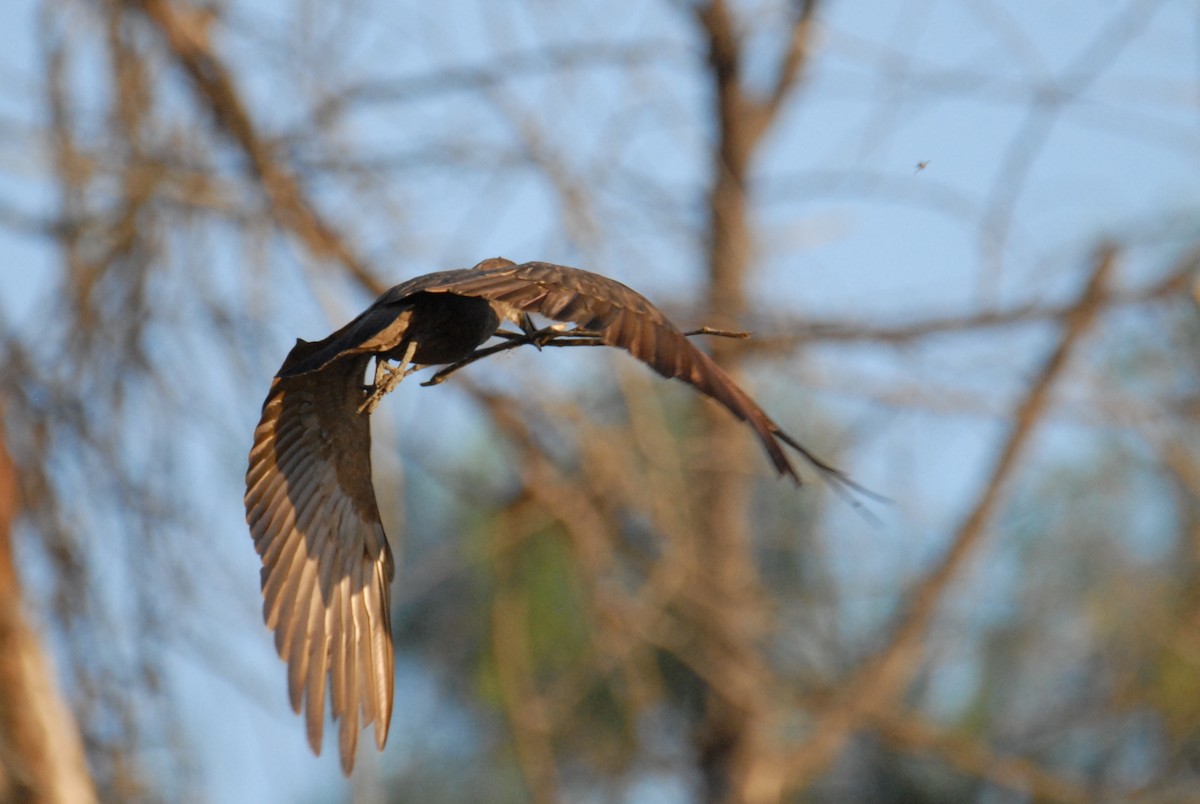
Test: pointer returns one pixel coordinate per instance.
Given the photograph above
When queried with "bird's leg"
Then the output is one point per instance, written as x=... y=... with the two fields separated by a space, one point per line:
x=550 y=336
x=546 y=336
x=383 y=370
x=513 y=342
x=388 y=377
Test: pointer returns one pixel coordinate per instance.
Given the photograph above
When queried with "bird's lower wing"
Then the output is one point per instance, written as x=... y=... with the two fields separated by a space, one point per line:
x=327 y=567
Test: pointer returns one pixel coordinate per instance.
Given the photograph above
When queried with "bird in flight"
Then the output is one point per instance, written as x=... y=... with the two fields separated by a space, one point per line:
x=309 y=500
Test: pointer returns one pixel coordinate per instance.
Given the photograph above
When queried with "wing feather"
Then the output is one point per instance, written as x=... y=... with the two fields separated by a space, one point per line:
x=312 y=512
x=318 y=673
x=625 y=319
x=383 y=661
x=305 y=614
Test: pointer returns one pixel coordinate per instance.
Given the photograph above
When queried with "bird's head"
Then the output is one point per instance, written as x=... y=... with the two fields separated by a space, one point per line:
x=493 y=262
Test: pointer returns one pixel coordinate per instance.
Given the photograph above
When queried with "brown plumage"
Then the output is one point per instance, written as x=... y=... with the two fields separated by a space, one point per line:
x=309 y=499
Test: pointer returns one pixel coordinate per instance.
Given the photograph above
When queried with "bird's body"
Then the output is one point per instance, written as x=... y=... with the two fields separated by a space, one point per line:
x=309 y=498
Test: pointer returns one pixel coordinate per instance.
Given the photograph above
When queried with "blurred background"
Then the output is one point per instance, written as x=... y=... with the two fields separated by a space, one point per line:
x=965 y=235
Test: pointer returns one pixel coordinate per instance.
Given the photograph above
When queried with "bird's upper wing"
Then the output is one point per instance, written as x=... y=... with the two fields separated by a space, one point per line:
x=326 y=561
x=623 y=318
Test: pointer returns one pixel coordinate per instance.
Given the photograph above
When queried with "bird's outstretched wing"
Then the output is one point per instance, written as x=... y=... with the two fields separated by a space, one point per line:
x=626 y=319
x=327 y=566
x=309 y=498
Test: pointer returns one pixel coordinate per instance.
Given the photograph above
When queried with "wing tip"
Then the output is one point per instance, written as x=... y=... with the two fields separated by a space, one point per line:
x=348 y=741
x=316 y=733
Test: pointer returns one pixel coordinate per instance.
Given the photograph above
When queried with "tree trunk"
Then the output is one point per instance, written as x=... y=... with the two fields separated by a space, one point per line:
x=734 y=741
x=41 y=755
x=728 y=736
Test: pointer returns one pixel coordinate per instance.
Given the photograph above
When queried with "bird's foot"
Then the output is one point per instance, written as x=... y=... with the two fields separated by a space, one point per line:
x=547 y=336
x=387 y=377
x=538 y=337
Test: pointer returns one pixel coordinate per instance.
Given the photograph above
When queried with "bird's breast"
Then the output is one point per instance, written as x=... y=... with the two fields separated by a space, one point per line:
x=447 y=327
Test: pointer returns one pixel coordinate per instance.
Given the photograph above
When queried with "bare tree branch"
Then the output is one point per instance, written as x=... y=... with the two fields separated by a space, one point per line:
x=187 y=35
x=882 y=678
x=907 y=732
x=1176 y=283
x=794 y=59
